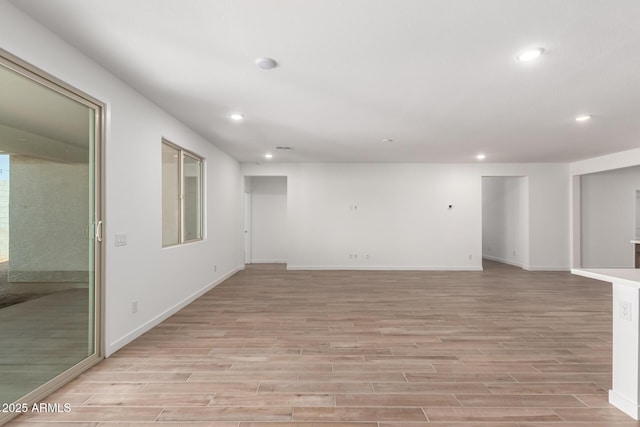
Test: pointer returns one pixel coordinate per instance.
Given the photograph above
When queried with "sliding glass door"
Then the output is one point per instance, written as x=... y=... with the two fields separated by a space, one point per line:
x=49 y=231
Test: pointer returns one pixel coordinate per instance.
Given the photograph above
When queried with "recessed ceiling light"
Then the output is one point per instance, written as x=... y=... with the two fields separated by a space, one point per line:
x=530 y=55
x=236 y=116
x=481 y=157
x=583 y=118
x=266 y=63
x=268 y=156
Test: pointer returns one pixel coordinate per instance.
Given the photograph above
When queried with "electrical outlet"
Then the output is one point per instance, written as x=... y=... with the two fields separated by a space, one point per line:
x=355 y=256
x=121 y=239
x=368 y=256
x=215 y=268
x=470 y=257
x=514 y=253
x=625 y=310
x=134 y=307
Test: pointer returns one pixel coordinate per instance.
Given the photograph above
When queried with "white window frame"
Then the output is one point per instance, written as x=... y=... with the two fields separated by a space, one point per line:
x=181 y=226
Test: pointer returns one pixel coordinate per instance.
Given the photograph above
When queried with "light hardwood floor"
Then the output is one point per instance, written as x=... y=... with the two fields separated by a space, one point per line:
x=503 y=348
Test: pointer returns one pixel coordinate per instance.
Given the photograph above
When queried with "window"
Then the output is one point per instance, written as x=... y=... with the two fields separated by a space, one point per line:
x=181 y=195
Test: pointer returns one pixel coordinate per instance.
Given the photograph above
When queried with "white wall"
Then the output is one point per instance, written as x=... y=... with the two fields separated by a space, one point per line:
x=607 y=207
x=505 y=234
x=161 y=280
x=268 y=219
x=48 y=216
x=398 y=214
x=493 y=218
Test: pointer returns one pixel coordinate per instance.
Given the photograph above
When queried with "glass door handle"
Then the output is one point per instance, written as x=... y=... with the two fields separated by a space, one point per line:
x=99 y=231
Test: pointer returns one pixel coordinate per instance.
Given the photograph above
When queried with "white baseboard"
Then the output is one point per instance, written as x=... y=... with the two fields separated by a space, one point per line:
x=268 y=261
x=525 y=267
x=385 y=267
x=543 y=268
x=502 y=260
x=145 y=327
x=626 y=405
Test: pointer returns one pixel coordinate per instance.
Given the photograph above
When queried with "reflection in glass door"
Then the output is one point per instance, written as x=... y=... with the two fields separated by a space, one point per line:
x=48 y=248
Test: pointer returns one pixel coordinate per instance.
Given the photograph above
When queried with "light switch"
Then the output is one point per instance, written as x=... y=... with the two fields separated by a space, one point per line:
x=121 y=239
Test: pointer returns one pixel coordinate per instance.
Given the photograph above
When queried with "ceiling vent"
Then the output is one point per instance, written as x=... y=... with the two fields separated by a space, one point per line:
x=284 y=148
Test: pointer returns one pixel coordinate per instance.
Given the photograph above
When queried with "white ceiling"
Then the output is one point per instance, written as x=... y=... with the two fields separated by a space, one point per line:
x=439 y=77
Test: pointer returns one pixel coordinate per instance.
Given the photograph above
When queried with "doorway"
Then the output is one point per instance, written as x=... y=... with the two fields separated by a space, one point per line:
x=505 y=221
x=265 y=220
x=609 y=218
x=50 y=232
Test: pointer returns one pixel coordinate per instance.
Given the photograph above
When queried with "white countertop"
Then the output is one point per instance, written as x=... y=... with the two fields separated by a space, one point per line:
x=637 y=242
x=625 y=276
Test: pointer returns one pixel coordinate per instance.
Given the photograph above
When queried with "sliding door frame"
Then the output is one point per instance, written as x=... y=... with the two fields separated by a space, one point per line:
x=31 y=72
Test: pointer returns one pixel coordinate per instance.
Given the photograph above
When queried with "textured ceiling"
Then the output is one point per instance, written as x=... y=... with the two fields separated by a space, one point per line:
x=439 y=77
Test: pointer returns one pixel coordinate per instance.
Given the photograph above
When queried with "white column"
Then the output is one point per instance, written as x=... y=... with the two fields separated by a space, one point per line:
x=625 y=390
